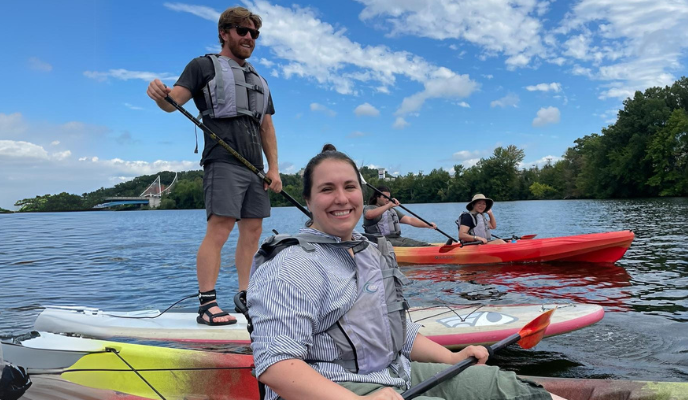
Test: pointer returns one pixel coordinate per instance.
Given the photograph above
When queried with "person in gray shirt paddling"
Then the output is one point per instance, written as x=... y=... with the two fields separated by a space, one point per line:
x=381 y=217
x=236 y=104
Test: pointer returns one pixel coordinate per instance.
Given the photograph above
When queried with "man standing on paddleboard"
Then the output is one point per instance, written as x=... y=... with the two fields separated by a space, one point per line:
x=235 y=103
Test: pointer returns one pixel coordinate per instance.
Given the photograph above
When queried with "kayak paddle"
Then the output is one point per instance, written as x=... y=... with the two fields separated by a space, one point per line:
x=233 y=152
x=449 y=241
x=527 y=337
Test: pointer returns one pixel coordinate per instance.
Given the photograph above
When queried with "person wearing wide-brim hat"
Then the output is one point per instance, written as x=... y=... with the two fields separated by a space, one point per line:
x=475 y=225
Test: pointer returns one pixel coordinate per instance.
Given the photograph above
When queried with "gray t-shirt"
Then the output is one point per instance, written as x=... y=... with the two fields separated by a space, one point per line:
x=370 y=222
x=241 y=133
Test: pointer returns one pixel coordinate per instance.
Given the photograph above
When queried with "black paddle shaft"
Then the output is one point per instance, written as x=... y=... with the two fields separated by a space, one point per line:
x=233 y=152
x=410 y=212
x=455 y=369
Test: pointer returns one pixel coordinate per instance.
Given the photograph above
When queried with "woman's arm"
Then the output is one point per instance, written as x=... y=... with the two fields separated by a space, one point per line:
x=294 y=379
x=376 y=212
x=413 y=221
x=425 y=350
x=464 y=236
x=493 y=221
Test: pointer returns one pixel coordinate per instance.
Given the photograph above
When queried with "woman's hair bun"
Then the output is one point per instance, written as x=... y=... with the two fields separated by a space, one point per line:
x=328 y=147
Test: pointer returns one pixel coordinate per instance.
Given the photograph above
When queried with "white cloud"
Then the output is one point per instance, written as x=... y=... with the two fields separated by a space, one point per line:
x=125 y=75
x=266 y=62
x=321 y=108
x=132 y=107
x=488 y=76
x=400 y=123
x=546 y=116
x=545 y=87
x=316 y=50
x=20 y=149
x=54 y=142
x=578 y=47
x=541 y=162
x=498 y=26
x=37 y=64
x=510 y=100
x=464 y=155
x=12 y=125
x=579 y=70
x=464 y=104
x=632 y=44
x=357 y=134
x=199 y=11
x=367 y=110
x=444 y=83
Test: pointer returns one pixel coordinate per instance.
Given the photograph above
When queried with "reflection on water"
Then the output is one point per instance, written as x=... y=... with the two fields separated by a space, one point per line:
x=146 y=259
x=601 y=284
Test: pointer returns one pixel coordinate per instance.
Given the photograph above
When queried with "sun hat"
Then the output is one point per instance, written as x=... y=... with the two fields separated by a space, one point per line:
x=477 y=197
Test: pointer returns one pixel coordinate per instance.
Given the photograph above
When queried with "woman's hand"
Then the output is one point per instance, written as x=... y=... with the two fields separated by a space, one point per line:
x=384 y=394
x=479 y=352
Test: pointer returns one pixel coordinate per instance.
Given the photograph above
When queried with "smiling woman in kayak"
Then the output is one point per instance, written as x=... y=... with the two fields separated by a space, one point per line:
x=475 y=225
x=328 y=311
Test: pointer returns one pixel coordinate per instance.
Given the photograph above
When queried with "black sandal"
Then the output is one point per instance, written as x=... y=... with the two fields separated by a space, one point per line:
x=203 y=310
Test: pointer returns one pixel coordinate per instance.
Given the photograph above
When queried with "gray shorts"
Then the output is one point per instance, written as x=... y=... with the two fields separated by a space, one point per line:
x=234 y=191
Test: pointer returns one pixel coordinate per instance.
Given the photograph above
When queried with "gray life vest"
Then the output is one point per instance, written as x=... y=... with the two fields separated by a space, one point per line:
x=482 y=225
x=235 y=90
x=386 y=224
x=369 y=337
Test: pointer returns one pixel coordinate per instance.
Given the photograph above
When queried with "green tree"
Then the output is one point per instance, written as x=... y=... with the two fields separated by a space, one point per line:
x=668 y=155
x=542 y=191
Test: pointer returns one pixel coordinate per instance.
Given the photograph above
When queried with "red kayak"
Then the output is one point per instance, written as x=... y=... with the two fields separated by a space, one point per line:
x=605 y=247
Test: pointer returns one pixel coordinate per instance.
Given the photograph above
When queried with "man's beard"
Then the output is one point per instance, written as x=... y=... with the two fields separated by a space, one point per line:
x=238 y=51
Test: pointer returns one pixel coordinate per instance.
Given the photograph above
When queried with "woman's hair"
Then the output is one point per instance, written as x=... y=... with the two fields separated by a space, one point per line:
x=329 y=152
x=373 y=198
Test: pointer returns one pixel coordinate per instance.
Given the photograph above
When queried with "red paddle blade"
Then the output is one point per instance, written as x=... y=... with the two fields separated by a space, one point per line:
x=532 y=333
x=526 y=237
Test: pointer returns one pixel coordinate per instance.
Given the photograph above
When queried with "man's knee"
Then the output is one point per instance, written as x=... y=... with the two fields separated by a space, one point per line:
x=219 y=228
x=251 y=228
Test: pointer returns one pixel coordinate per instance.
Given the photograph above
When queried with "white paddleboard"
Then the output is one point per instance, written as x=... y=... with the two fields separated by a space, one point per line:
x=451 y=326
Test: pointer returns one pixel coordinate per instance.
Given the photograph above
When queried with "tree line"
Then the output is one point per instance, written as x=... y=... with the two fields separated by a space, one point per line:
x=643 y=154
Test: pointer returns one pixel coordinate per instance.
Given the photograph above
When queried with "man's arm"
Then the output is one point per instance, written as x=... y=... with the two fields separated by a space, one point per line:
x=269 y=140
x=158 y=91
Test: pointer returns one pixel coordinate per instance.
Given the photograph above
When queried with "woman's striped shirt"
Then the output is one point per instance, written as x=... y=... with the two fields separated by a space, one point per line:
x=296 y=297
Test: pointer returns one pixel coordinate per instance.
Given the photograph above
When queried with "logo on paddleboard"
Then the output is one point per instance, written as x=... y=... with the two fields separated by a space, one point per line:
x=479 y=318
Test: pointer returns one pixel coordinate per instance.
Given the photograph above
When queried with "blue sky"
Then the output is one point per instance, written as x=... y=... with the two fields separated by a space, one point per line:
x=408 y=85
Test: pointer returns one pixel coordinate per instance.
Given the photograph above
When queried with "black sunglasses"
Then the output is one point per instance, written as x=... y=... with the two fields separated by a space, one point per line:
x=242 y=30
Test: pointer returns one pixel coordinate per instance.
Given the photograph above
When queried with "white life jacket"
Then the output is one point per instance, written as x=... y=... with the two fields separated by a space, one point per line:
x=482 y=225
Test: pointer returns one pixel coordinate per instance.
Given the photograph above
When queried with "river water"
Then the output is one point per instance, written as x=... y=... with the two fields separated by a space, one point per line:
x=146 y=259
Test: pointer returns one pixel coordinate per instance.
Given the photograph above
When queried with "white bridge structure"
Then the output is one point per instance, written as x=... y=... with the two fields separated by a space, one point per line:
x=155 y=191
x=151 y=196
